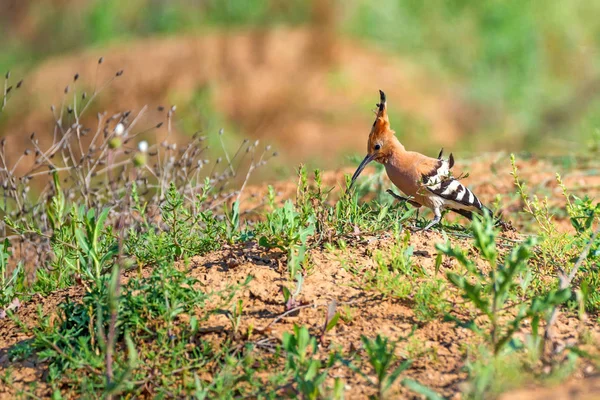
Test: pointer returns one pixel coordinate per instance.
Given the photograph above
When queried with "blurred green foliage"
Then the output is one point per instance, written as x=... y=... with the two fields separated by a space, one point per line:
x=53 y=27
x=527 y=67
x=535 y=61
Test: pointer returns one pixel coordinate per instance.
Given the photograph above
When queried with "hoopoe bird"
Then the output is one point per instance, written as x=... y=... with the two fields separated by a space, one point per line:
x=425 y=180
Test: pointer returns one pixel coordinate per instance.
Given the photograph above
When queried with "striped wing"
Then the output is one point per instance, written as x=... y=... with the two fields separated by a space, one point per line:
x=452 y=190
x=439 y=181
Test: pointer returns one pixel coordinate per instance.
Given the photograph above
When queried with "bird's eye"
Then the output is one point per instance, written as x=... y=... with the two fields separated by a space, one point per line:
x=377 y=146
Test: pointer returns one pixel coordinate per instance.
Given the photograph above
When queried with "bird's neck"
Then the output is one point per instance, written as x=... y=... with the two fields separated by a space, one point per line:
x=396 y=149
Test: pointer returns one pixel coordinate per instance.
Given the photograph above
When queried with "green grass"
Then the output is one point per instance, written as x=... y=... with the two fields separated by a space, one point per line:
x=124 y=234
x=123 y=332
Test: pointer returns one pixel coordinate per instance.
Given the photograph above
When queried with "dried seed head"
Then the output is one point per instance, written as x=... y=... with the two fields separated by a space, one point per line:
x=7 y=76
x=27 y=152
x=159 y=125
x=268 y=148
x=19 y=84
x=219 y=160
x=221 y=131
x=160 y=108
x=69 y=109
x=119 y=73
x=100 y=60
x=83 y=95
x=173 y=146
x=67 y=89
x=76 y=77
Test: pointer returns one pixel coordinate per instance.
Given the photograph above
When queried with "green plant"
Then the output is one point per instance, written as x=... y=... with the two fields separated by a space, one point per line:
x=430 y=299
x=233 y=221
x=395 y=275
x=308 y=373
x=380 y=353
x=559 y=248
x=95 y=251
x=9 y=285
x=95 y=338
x=291 y=299
x=285 y=227
x=494 y=294
x=288 y=229
x=188 y=229
x=382 y=358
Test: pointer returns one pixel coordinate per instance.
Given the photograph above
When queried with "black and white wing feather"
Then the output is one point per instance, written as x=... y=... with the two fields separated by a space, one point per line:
x=440 y=182
x=457 y=194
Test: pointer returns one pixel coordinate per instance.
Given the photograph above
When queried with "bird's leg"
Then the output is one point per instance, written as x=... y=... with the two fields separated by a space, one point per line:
x=406 y=199
x=435 y=221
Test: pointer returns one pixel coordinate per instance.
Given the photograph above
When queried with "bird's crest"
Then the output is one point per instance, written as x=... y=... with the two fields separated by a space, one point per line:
x=382 y=123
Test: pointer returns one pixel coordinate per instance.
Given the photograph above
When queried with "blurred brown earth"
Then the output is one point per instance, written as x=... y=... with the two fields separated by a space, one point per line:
x=270 y=84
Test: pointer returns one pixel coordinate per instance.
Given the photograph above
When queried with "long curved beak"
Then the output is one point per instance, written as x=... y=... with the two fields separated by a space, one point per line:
x=360 y=168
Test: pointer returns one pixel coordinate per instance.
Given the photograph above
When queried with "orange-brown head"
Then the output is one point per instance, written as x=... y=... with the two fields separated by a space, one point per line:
x=381 y=139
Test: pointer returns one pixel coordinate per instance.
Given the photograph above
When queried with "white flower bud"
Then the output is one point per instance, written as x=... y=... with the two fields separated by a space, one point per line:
x=143 y=146
x=119 y=129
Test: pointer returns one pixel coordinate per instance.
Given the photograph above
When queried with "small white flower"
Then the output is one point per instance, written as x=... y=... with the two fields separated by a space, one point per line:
x=143 y=146
x=119 y=129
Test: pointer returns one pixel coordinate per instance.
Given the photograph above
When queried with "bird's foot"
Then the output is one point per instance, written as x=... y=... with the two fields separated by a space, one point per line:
x=433 y=222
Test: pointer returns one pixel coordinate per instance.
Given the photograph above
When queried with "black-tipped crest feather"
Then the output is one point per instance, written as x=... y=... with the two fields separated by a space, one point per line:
x=382 y=100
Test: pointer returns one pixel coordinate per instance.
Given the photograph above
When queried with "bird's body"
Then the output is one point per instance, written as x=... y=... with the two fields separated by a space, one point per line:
x=425 y=180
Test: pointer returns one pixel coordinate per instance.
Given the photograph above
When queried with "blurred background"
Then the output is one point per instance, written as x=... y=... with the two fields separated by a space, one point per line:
x=303 y=75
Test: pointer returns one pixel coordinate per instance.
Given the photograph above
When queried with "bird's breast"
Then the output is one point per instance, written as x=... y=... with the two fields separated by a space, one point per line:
x=404 y=180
